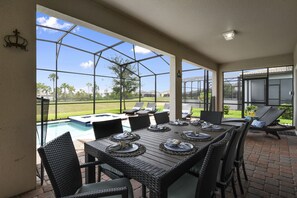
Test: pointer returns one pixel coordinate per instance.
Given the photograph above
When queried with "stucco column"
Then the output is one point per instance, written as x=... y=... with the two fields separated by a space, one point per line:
x=215 y=89
x=295 y=94
x=175 y=88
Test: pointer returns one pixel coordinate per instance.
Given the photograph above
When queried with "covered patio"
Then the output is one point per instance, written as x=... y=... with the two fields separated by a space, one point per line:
x=183 y=32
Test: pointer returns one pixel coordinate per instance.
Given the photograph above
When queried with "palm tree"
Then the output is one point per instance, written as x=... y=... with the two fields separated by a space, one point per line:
x=53 y=78
x=89 y=85
x=64 y=87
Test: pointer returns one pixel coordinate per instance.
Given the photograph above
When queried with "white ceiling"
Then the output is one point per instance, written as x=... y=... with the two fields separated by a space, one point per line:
x=265 y=27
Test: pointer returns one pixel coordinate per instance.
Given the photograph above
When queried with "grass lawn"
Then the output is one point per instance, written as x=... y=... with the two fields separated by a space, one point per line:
x=67 y=109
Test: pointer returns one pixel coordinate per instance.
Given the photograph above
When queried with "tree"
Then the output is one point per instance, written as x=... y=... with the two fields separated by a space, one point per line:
x=42 y=88
x=124 y=81
x=64 y=87
x=53 y=78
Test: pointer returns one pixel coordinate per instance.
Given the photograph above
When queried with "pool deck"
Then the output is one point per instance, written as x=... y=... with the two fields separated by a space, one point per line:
x=271 y=168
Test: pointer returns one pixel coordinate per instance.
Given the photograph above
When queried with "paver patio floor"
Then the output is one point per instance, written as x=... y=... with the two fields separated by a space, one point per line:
x=271 y=168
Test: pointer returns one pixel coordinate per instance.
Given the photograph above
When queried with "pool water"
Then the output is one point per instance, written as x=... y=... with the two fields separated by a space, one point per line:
x=77 y=130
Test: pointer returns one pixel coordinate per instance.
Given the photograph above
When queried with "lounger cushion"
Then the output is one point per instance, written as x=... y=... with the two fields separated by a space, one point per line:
x=148 y=109
x=258 y=124
x=136 y=108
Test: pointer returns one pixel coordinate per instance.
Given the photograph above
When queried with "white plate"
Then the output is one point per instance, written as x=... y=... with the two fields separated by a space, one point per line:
x=128 y=150
x=122 y=136
x=197 y=136
x=182 y=147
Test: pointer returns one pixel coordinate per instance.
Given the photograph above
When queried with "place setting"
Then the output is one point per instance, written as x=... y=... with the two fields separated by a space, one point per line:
x=125 y=136
x=177 y=147
x=125 y=149
x=179 y=122
x=206 y=126
x=158 y=128
x=195 y=136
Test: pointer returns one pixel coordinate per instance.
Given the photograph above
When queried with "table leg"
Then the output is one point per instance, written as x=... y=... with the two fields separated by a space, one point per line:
x=90 y=171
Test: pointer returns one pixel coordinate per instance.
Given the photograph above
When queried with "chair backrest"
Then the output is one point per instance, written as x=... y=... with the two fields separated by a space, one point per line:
x=208 y=173
x=138 y=105
x=214 y=117
x=62 y=165
x=187 y=108
x=106 y=128
x=166 y=107
x=261 y=111
x=151 y=105
x=161 y=117
x=139 y=122
x=230 y=153
x=240 y=148
x=271 y=116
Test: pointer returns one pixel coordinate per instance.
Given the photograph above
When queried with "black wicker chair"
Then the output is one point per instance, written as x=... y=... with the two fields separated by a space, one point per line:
x=104 y=129
x=139 y=122
x=205 y=185
x=150 y=108
x=239 y=160
x=161 y=117
x=63 y=169
x=214 y=117
x=226 y=174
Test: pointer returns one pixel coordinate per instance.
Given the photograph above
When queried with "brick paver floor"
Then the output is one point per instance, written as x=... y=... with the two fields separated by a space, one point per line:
x=271 y=166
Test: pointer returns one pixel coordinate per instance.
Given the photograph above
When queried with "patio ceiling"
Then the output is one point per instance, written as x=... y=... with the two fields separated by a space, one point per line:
x=265 y=28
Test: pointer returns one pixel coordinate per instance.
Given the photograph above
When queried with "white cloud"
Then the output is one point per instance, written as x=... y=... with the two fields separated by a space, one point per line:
x=52 y=22
x=141 y=50
x=87 y=64
x=76 y=29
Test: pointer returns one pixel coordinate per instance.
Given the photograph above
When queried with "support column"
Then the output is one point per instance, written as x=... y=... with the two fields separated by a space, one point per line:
x=295 y=95
x=175 y=88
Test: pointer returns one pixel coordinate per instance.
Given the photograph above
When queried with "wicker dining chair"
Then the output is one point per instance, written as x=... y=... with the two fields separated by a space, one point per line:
x=205 y=185
x=239 y=160
x=62 y=166
x=161 y=117
x=214 y=117
x=104 y=129
x=139 y=122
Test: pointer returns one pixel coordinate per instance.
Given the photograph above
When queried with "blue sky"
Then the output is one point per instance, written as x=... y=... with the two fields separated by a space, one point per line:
x=77 y=61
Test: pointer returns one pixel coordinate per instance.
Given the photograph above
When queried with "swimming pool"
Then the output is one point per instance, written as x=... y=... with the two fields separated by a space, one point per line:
x=77 y=130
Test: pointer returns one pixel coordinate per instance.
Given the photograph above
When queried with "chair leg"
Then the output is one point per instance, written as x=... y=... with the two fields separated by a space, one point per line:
x=239 y=180
x=99 y=174
x=233 y=186
x=222 y=192
x=143 y=191
x=244 y=172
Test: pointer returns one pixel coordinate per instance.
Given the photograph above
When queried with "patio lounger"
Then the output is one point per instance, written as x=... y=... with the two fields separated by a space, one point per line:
x=270 y=122
x=261 y=111
x=186 y=111
x=166 y=107
x=150 y=108
x=136 y=108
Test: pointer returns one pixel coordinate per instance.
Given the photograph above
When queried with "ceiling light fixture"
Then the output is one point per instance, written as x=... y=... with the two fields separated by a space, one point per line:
x=230 y=35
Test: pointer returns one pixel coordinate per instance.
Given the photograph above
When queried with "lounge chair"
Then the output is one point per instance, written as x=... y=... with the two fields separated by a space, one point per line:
x=261 y=111
x=270 y=122
x=186 y=111
x=166 y=107
x=136 y=108
x=150 y=108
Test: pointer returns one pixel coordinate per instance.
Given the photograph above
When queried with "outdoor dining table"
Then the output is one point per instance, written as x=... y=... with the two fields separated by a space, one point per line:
x=155 y=169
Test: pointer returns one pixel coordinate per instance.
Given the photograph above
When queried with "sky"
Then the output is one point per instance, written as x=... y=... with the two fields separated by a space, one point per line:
x=72 y=60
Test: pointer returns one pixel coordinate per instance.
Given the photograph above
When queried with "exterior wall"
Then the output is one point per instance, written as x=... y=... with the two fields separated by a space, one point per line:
x=18 y=99
x=273 y=61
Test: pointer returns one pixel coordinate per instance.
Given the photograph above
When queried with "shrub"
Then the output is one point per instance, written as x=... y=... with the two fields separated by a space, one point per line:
x=226 y=109
x=288 y=113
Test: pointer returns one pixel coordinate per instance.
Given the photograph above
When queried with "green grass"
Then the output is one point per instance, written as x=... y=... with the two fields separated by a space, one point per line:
x=67 y=109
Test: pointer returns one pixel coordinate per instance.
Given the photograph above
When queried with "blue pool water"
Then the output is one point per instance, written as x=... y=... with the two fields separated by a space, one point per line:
x=77 y=130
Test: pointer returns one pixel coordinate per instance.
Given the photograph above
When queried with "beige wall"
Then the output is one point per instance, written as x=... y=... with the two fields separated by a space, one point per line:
x=273 y=61
x=295 y=85
x=17 y=88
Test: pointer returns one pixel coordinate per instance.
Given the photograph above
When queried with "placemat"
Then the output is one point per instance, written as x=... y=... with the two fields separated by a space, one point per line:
x=135 y=137
x=139 y=151
x=165 y=150
x=164 y=129
x=178 y=124
x=210 y=129
x=185 y=137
